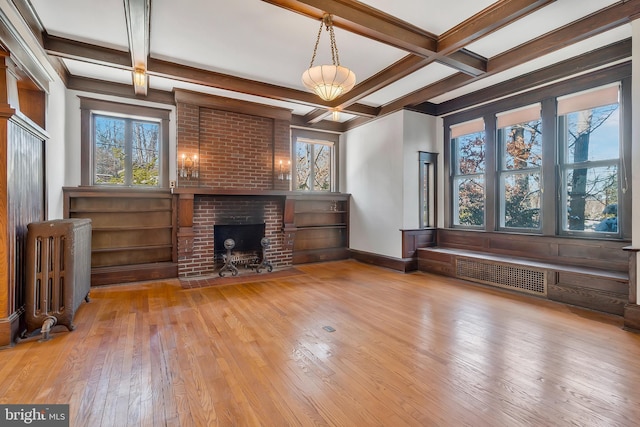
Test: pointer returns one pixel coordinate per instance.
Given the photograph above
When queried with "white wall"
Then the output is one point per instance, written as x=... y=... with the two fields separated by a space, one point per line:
x=418 y=135
x=635 y=147
x=379 y=161
x=56 y=149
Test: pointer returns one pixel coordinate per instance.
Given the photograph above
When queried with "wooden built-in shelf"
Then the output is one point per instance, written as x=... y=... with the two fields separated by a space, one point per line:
x=133 y=231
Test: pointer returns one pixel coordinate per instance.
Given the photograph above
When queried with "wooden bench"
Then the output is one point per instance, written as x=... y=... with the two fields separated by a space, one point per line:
x=595 y=288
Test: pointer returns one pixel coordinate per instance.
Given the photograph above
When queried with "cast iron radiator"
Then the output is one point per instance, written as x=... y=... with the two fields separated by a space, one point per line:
x=58 y=272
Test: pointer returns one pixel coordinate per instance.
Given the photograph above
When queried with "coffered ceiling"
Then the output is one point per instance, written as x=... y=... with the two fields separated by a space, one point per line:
x=418 y=54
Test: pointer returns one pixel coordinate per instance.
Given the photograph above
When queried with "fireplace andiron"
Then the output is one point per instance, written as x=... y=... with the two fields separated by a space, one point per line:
x=264 y=242
x=252 y=262
x=228 y=259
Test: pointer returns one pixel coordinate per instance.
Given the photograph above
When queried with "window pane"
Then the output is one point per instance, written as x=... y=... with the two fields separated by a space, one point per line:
x=592 y=199
x=303 y=166
x=109 y=153
x=522 y=145
x=521 y=208
x=469 y=198
x=145 y=153
x=593 y=134
x=322 y=167
x=425 y=197
x=470 y=154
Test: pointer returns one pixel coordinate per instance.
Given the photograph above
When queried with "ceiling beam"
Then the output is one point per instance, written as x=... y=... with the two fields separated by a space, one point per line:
x=137 y=18
x=371 y=23
x=600 y=57
x=72 y=49
x=251 y=87
x=596 y=23
x=494 y=17
x=449 y=50
x=582 y=29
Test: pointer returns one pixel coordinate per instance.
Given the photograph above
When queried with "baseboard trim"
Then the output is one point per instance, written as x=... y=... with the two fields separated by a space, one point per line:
x=404 y=265
x=9 y=329
x=133 y=273
x=632 y=317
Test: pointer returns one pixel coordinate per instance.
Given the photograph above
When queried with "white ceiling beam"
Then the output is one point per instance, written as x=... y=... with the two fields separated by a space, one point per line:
x=137 y=15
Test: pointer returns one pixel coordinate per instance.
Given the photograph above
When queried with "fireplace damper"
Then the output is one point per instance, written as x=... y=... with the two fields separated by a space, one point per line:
x=240 y=244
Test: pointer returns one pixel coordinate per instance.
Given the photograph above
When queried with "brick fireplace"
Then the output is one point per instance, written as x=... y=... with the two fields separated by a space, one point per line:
x=198 y=257
x=239 y=147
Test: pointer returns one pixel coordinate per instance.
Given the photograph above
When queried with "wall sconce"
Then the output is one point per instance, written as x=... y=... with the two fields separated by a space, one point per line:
x=285 y=174
x=189 y=167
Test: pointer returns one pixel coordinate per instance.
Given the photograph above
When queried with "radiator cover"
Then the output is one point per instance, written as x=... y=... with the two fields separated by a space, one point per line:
x=504 y=275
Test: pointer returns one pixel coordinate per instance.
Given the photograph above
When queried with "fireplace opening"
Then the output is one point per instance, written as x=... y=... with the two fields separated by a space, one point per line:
x=240 y=245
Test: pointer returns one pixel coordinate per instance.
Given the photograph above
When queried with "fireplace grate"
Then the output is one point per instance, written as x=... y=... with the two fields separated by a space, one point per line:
x=507 y=276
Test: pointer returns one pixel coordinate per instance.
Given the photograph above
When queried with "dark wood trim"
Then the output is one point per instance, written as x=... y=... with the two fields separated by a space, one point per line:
x=633 y=273
x=596 y=58
x=85 y=52
x=87 y=105
x=400 y=264
x=418 y=238
x=587 y=253
x=230 y=104
x=84 y=84
x=133 y=273
x=632 y=317
x=589 y=26
x=10 y=329
x=118 y=107
x=487 y=21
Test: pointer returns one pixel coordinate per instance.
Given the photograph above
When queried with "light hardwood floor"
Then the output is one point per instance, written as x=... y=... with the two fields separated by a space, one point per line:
x=407 y=350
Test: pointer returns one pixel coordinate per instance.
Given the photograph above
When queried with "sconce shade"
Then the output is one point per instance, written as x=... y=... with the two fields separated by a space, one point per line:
x=329 y=81
x=139 y=77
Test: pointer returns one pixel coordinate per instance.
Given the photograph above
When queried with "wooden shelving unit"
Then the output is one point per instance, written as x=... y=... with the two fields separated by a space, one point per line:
x=133 y=232
x=320 y=227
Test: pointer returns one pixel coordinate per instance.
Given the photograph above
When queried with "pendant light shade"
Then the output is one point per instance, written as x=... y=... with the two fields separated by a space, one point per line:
x=328 y=81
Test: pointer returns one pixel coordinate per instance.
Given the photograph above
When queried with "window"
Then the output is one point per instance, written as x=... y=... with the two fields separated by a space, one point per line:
x=549 y=161
x=468 y=168
x=124 y=145
x=520 y=172
x=428 y=186
x=126 y=151
x=589 y=135
x=314 y=165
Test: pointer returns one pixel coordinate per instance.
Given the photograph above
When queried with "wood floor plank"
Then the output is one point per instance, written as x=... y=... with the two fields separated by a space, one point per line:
x=406 y=349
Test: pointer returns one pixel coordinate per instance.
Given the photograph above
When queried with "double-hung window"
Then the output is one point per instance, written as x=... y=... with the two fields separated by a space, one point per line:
x=589 y=136
x=124 y=145
x=314 y=165
x=468 y=170
x=520 y=171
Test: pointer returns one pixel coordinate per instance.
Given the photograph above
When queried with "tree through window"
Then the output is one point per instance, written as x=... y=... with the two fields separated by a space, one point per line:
x=127 y=151
x=124 y=145
x=468 y=153
x=313 y=165
x=589 y=124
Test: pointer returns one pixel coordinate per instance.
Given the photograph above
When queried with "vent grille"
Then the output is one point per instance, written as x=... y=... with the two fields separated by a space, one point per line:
x=503 y=275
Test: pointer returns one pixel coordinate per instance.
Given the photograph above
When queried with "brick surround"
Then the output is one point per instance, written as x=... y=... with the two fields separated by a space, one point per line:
x=210 y=210
x=239 y=146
